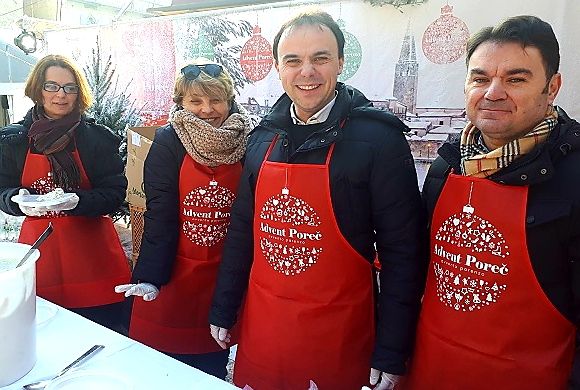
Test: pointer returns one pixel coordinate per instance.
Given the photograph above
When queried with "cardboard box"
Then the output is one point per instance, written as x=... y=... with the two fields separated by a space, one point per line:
x=139 y=140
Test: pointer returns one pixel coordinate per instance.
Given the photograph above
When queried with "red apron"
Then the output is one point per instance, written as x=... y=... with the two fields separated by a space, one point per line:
x=309 y=306
x=82 y=261
x=485 y=321
x=177 y=321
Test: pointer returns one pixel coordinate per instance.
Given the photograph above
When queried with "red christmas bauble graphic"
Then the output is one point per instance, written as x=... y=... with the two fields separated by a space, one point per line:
x=207 y=210
x=256 y=57
x=445 y=39
x=290 y=239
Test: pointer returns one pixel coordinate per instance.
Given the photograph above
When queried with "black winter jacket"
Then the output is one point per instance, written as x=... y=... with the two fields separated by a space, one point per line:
x=98 y=149
x=161 y=181
x=552 y=172
x=376 y=203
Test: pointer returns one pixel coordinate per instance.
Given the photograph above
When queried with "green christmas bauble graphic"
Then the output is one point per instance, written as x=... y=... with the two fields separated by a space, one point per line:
x=202 y=47
x=352 y=54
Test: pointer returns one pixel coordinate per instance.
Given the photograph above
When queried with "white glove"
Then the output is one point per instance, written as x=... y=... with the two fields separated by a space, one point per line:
x=68 y=205
x=29 y=210
x=146 y=290
x=221 y=336
x=388 y=381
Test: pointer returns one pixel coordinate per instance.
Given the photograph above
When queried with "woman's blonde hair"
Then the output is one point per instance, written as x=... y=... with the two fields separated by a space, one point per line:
x=37 y=77
x=220 y=87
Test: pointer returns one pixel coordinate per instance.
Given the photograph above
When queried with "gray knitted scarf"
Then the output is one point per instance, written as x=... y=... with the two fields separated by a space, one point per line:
x=212 y=146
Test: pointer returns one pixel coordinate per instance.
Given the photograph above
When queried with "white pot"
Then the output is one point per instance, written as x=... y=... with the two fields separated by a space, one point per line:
x=17 y=313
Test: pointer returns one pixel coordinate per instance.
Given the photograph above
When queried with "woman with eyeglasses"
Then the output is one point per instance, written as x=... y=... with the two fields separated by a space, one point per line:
x=191 y=176
x=57 y=146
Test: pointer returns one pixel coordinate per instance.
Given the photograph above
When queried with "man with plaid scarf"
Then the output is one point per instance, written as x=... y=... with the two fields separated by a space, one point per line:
x=502 y=301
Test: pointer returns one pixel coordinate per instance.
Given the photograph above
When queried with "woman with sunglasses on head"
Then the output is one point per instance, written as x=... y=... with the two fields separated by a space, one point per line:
x=191 y=176
x=57 y=146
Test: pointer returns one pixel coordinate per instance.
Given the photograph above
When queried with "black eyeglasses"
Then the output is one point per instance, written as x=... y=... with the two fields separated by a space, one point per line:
x=191 y=72
x=54 y=87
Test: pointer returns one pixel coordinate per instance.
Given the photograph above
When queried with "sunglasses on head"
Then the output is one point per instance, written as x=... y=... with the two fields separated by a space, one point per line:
x=191 y=72
x=54 y=87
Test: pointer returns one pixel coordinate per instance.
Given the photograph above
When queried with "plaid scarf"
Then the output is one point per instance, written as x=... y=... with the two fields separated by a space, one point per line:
x=478 y=161
x=51 y=137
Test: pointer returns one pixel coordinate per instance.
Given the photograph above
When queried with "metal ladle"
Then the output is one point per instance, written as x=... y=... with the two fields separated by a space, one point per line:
x=36 y=244
x=41 y=384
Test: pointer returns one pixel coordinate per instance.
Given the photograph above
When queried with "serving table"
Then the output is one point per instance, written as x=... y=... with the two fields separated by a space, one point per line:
x=62 y=336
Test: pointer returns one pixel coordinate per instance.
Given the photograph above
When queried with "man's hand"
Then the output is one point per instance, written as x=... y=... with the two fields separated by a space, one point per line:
x=387 y=381
x=222 y=336
x=146 y=290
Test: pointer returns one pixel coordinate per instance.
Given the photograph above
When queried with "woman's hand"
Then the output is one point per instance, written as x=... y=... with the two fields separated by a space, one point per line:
x=146 y=290
x=30 y=211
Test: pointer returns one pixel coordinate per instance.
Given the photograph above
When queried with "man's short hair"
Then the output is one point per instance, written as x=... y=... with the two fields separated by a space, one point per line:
x=311 y=18
x=526 y=30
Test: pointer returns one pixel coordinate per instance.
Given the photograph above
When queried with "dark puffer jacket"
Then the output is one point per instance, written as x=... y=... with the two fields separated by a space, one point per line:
x=161 y=180
x=376 y=203
x=552 y=172
x=98 y=149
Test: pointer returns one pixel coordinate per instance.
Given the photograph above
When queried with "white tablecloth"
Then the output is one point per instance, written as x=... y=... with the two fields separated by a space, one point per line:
x=65 y=336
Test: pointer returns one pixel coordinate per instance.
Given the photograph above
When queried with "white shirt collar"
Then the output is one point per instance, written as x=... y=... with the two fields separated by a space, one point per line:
x=320 y=117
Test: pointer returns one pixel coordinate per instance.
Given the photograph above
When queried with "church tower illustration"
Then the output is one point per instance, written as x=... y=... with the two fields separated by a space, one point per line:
x=407 y=73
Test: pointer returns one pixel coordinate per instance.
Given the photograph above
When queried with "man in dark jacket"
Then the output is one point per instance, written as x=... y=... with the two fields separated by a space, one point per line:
x=328 y=183
x=504 y=201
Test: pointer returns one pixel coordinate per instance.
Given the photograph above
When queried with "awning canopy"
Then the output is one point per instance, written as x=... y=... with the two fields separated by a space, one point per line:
x=14 y=64
x=187 y=6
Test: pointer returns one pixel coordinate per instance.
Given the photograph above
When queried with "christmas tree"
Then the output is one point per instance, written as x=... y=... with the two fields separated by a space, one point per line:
x=111 y=107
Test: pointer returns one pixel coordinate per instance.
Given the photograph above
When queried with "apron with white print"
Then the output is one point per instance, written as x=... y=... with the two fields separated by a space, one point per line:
x=177 y=321
x=309 y=307
x=485 y=321
x=82 y=261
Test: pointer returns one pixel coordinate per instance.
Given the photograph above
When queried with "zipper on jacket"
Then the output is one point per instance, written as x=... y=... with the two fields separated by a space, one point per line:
x=284 y=140
x=322 y=142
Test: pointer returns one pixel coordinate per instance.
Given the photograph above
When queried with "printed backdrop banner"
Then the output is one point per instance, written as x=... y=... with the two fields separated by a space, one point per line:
x=411 y=55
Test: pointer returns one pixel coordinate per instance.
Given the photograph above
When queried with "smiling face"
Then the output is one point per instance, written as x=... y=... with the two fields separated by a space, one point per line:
x=59 y=104
x=308 y=66
x=210 y=109
x=506 y=91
